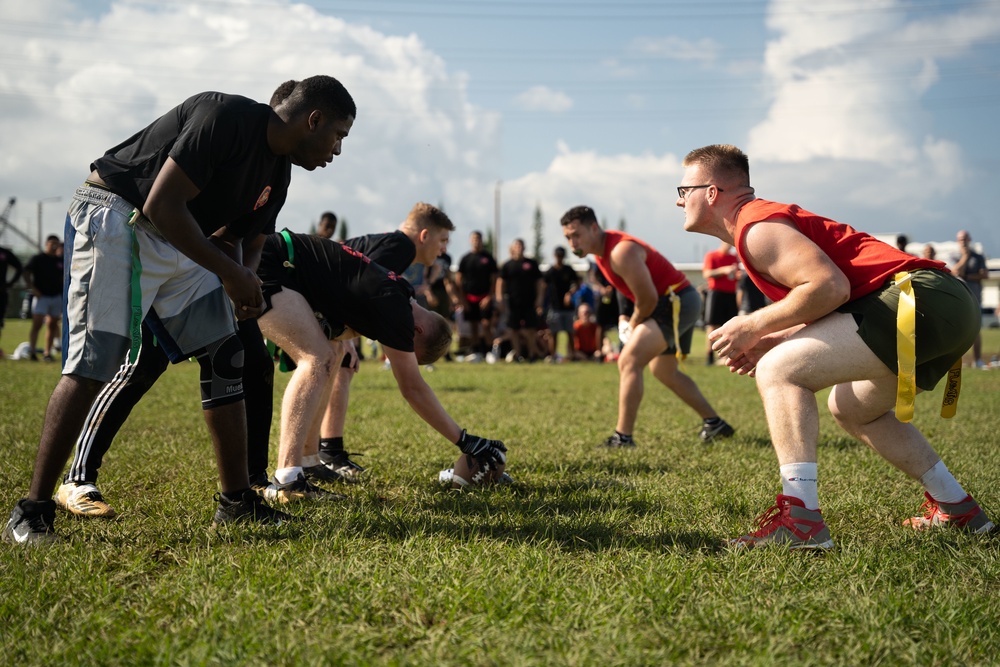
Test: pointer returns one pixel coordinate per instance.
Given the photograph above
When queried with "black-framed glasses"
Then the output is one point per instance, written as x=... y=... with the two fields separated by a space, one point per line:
x=684 y=190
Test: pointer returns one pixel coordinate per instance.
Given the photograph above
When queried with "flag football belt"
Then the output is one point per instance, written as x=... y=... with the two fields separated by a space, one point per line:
x=906 y=356
x=675 y=304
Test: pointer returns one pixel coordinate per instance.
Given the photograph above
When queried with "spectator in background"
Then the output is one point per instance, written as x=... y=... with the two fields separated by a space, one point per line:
x=561 y=281
x=587 y=337
x=970 y=267
x=43 y=275
x=477 y=281
x=719 y=269
x=521 y=290
x=748 y=296
x=929 y=252
x=8 y=260
x=442 y=295
x=327 y=225
x=607 y=307
x=902 y=241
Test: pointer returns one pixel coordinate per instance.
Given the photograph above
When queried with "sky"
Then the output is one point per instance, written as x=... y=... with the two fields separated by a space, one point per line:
x=878 y=113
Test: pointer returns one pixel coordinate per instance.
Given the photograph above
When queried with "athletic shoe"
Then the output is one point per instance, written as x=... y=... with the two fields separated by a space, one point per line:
x=259 y=483
x=616 y=441
x=447 y=475
x=788 y=523
x=341 y=464
x=720 y=430
x=31 y=523
x=320 y=473
x=251 y=508
x=967 y=515
x=298 y=489
x=83 y=500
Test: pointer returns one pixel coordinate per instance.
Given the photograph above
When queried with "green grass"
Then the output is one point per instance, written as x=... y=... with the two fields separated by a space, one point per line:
x=593 y=558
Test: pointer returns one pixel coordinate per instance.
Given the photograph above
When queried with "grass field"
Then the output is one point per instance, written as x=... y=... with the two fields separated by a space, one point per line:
x=592 y=558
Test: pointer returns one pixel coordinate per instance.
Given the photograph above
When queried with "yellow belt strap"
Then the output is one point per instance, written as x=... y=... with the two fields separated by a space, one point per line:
x=676 y=305
x=906 y=348
x=906 y=355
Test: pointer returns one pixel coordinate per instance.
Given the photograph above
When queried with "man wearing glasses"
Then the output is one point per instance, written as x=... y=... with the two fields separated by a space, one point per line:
x=844 y=316
x=659 y=330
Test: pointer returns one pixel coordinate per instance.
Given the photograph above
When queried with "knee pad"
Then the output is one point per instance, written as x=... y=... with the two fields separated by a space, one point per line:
x=221 y=372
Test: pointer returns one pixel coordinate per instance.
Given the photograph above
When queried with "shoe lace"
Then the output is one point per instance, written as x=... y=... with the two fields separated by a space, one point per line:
x=94 y=496
x=770 y=516
x=930 y=508
x=41 y=523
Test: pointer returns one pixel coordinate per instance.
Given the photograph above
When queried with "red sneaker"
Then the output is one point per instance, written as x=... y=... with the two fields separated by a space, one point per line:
x=788 y=522
x=967 y=515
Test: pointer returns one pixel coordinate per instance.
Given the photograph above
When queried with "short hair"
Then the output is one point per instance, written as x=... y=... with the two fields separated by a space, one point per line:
x=584 y=214
x=52 y=237
x=329 y=215
x=281 y=92
x=723 y=161
x=437 y=338
x=560 y=251
x=317 y=92
x=425 y=215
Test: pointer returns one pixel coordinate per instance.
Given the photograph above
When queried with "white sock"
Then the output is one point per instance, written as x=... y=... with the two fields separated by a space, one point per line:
x=799 y=480
x=941 y=485
x=286 y=475
x=310 y=461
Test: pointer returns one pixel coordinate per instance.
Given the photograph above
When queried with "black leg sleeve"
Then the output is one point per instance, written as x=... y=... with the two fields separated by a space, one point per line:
x=258 y=392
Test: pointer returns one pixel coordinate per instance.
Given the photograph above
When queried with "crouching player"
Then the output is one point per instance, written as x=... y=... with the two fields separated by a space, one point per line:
x=849 y=312
x=317 y=290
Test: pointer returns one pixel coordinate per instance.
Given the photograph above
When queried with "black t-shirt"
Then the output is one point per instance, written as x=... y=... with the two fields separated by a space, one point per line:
x=8 y=259
x=437 y=272
x=559 y=280
x=46 y=274
x=344 y=286
x=520 y=282
x=220 y=142
x=393 y=250
x=477 y=268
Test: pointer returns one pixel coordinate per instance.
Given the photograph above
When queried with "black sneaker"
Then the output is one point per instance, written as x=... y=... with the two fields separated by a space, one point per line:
x=617 y=441
x=719 y=430
x=251 y=508
x=320 y=473
x=340 y=463
x=31 y=523
x=259 y=482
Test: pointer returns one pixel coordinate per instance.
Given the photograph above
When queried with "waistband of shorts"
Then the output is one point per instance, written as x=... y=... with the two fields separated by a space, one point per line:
x=101 y=197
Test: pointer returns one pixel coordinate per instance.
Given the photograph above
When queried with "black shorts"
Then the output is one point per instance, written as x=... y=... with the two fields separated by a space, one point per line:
x=522 y=318
x=474 y=312
x=720 y=307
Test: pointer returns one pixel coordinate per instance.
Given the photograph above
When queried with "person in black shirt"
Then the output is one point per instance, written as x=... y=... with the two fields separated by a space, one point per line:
x=561 y=282
x=7 y=260
x=317 y=290
x=521 y=290
x=189 y=197
x=43 y=275
x=422 y=237
x=477 y=279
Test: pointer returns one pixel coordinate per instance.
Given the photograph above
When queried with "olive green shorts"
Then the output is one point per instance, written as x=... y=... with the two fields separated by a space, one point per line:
x=947 y=322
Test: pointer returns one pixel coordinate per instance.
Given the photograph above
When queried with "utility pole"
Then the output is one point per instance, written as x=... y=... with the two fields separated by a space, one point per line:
x=40 y=202
x=496 y=221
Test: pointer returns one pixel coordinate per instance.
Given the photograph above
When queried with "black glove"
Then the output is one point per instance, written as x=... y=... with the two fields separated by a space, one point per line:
x=490 y=454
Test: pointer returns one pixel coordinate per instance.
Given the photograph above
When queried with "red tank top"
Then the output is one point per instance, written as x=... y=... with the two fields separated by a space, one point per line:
x=866 y=261
x=663 y=272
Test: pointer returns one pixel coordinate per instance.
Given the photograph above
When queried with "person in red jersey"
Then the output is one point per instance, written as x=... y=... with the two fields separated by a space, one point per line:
x=719 y=270
x=659 y=329
x=850 y=312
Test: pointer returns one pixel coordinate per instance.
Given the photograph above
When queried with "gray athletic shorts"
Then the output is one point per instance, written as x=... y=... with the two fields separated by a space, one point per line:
x=101 y=319
x=50 y=306
x=690 y=312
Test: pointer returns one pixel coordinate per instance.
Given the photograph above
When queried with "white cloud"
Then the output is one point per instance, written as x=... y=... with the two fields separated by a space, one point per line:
x=542 y=98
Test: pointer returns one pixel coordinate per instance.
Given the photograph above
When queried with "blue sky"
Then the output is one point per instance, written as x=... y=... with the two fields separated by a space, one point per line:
x=879 y=113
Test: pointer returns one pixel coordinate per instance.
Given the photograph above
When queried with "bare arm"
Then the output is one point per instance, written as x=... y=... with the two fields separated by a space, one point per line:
x=166 y=207
x=628 y=260
x=419 y=394
x=785 y=256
